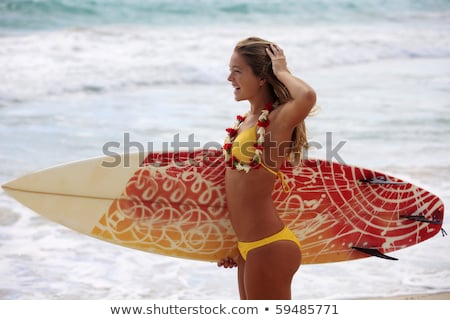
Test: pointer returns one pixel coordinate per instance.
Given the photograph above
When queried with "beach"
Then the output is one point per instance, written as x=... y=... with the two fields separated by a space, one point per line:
x=432 y=296
x=89 y=76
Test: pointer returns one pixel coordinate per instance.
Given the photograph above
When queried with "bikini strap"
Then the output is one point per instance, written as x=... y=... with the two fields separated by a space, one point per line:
x=281 y=175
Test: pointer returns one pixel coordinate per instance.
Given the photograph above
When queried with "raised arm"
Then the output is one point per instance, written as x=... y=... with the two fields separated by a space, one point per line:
x=303 y=96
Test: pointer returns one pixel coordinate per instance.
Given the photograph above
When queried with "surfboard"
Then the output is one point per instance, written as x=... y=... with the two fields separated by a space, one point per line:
x=174 y=204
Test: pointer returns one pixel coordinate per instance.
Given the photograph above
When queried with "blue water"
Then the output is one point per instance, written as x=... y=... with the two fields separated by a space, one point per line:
x=50 y=15
x=75 y=75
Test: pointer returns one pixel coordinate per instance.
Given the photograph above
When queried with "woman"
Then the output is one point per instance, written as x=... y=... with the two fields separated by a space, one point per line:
x=271 y=131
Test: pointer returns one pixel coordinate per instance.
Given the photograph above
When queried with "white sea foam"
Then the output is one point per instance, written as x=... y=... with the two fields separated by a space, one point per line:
x=96 y=60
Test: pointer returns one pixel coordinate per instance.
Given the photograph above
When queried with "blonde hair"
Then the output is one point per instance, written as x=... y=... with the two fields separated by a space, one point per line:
x=253 y=50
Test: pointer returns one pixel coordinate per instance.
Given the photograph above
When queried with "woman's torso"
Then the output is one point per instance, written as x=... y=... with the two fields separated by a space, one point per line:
x=249 y=195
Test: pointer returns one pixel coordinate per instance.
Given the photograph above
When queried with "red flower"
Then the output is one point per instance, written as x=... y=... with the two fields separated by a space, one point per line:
x=232 y=162
x=263 y=123
x=258 y=146
x=227 y=146
x=240 y=118
x=255 y=163
x=231 y=131
x=268 y=106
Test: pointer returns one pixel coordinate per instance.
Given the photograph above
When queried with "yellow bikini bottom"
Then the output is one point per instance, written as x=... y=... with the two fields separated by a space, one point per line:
x=284 y=234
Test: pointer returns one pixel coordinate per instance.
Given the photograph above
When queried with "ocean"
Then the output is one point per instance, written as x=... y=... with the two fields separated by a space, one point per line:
x=77 y=74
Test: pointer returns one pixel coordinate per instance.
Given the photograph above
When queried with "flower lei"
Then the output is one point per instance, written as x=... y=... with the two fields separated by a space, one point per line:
x=261 y=124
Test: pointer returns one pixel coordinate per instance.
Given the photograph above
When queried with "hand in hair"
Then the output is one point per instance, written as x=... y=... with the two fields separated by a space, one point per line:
x=278 y=58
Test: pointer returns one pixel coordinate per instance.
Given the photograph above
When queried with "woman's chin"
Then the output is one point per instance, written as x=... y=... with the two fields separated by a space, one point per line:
x=237 y=96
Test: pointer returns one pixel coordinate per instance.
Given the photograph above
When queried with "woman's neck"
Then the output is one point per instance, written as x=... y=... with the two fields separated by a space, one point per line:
x=258 y=103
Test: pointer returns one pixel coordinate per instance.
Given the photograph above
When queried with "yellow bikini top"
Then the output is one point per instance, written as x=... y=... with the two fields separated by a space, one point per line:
x=243 y=148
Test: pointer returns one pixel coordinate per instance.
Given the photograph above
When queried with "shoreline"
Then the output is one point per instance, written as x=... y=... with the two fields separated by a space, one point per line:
x=418 y=296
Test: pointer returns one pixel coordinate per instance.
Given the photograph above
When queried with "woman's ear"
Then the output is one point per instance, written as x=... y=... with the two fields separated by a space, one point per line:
x=262 y=82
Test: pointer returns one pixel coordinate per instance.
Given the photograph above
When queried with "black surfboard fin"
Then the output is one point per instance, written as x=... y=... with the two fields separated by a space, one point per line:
x=420 y=219
x=381 y=180
x=374 y=253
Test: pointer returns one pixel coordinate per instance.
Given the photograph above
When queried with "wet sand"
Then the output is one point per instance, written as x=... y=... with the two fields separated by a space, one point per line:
x=425 y=296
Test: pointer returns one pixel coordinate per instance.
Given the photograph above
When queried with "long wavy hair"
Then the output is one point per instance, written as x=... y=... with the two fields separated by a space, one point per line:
x=253 y=50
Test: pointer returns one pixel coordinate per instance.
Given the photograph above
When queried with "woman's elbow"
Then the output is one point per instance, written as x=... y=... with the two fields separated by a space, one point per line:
x=310 y=97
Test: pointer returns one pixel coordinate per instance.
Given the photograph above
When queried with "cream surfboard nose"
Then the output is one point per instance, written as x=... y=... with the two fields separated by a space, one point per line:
x=75 y=194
